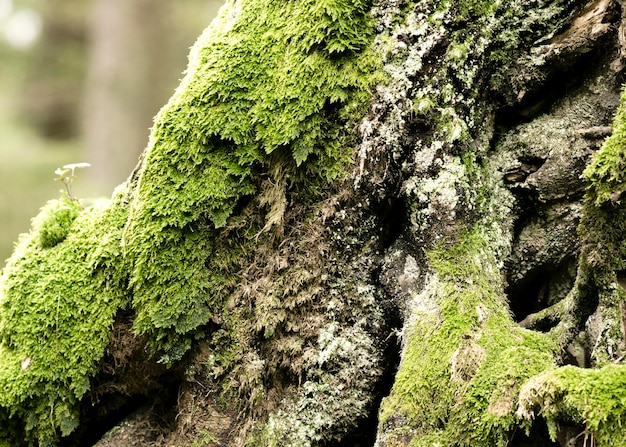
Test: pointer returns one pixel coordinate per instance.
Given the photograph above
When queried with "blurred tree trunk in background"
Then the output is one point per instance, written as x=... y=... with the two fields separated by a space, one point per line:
x=136 y=56
x=53 y=87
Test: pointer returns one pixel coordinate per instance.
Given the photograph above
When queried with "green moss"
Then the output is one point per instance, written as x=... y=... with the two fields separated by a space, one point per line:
x=58 y=303
x=603 y=225
x=272 y=90
x=595 y=398
x=54 y=221
x=267 y=84
x=607 y=171
x=272 y=94
x=464 y=358
x=469 y=10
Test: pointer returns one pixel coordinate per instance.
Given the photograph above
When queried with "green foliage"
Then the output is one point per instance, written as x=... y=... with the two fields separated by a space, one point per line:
x=60 y=292
x=267 y=83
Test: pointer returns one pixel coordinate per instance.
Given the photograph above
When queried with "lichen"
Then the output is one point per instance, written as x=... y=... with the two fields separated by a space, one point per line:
x=336 y=394
x=437 y=198
x=434 y=55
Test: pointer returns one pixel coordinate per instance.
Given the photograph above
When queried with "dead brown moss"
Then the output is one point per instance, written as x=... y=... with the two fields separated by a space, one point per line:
x=127 y=368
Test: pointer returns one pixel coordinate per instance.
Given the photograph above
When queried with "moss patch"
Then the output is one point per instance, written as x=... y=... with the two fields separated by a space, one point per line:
x=58 y=303
x=270 y=88
x=464 y=359
x=54 y=221
x=300 y=344
x=603 y=225
x=594 y=398
x=271 y=97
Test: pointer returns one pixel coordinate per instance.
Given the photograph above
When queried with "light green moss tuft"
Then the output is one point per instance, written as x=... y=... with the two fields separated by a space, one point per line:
x=595 y=398
x=53 y=223
x=57 y=306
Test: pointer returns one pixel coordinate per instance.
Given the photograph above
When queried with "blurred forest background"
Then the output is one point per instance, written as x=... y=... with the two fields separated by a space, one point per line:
x=80 y=81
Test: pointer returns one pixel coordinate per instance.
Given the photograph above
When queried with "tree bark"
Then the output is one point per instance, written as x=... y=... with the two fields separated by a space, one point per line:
x=384 y=223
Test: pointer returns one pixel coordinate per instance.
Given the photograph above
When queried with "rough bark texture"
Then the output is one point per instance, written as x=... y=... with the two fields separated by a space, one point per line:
x=384 y=223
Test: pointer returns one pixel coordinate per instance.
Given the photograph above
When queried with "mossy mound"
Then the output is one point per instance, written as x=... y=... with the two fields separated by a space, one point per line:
x=61 y=290
x=464 y=359
x=267 y=108
x=249 y=246
x=269 y=90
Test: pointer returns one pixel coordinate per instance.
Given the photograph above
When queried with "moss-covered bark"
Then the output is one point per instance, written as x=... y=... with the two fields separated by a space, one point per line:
x=61 y=290
x=330 y=174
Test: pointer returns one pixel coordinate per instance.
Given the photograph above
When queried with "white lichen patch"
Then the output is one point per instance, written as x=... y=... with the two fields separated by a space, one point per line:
x=384 y=126
x=424 y=159
x=423 y=307
x=439 y=195
x=321 y=402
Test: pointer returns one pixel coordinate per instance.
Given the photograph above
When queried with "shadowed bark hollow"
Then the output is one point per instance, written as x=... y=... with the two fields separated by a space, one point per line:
x=390 y=223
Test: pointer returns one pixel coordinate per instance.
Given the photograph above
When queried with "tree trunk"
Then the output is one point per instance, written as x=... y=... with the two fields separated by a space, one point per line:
x=50 y=92
x=392 y=223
